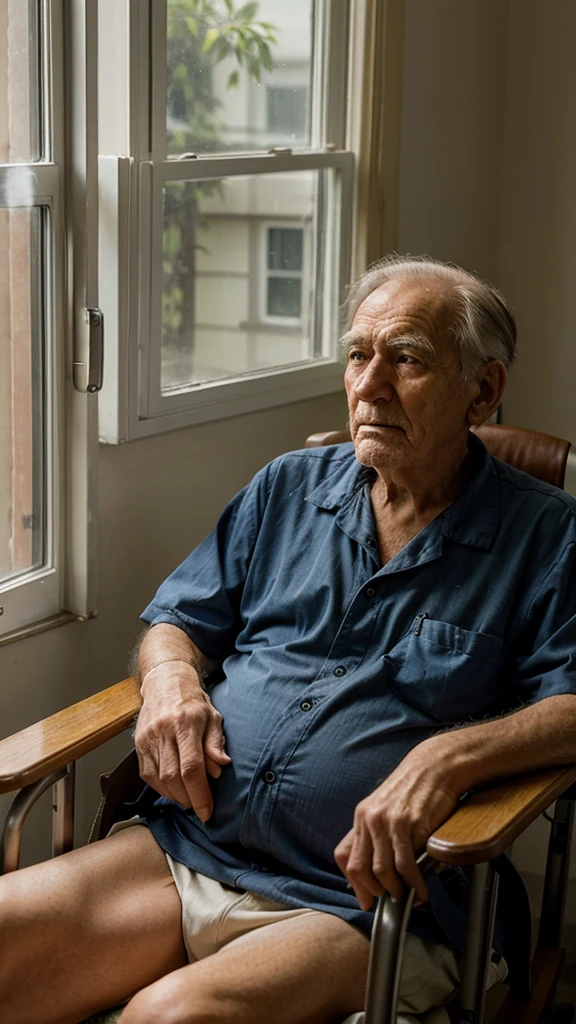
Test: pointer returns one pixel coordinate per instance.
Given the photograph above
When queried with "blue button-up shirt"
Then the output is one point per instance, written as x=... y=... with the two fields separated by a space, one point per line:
x=334 y=667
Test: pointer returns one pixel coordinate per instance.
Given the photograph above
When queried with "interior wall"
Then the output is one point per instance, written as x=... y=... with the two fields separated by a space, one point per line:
x=538 y=256
x=452 y=131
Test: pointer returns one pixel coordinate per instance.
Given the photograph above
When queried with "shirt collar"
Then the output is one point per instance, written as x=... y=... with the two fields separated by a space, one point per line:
x=339 y=487
x=471 y=520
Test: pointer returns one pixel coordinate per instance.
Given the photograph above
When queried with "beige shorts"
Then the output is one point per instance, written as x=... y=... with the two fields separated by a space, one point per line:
x=214 y=914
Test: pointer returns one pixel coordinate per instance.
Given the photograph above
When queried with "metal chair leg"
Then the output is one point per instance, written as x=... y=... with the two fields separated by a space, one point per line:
x=479 y=933
x=386 y=957
x=63 y=820
x=557 y=868
x=63 y=812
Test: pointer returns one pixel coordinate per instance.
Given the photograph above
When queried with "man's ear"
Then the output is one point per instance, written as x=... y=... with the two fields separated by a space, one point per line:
x=491 y=382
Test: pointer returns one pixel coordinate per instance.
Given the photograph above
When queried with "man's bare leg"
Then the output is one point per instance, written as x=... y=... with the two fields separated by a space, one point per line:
x=85 y=931
x=304 y=970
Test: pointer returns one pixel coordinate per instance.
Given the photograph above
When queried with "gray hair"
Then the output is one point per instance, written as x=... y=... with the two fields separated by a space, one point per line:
x=484 y=327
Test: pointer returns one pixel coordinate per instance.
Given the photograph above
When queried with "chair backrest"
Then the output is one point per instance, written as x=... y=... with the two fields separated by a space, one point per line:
x=541 y=455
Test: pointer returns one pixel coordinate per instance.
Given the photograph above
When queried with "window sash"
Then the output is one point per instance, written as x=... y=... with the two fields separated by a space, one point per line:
x=329 y=79
x=131 y=404
x=37 y=594
x=203 y=400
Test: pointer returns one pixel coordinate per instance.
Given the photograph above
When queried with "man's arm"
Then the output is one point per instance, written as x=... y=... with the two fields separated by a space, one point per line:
x=179 y=737
x=392 y=825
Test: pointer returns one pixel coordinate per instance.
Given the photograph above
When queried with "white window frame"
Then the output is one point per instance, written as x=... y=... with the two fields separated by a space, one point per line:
x=36 y=595
x=64 y=588
x=131 y=192
x=266 y=273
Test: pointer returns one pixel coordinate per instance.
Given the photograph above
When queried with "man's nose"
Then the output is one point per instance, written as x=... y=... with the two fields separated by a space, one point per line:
x=374 y=383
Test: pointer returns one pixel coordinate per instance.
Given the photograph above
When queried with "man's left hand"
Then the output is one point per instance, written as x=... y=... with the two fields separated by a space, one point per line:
x=392 y=825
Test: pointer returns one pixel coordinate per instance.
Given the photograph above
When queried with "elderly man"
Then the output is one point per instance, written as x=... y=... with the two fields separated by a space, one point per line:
x=309 y=680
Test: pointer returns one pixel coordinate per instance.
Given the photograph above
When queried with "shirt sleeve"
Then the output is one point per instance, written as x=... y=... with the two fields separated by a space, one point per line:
x=546 y=664
x=203 y=595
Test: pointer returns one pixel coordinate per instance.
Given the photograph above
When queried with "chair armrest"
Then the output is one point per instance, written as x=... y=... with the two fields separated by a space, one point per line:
x=489 y=820
x=46 y=746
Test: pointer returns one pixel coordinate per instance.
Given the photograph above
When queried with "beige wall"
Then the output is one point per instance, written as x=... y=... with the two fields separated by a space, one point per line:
x=452 y=131
x=538 y=253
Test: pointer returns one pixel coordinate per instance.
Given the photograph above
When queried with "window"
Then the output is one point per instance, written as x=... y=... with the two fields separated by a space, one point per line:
x=31 y=263
x=284 y=256
x=238 y=240
x=39 y=574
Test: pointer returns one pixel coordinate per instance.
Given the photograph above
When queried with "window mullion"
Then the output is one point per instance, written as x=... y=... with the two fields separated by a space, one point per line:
x=158 y=36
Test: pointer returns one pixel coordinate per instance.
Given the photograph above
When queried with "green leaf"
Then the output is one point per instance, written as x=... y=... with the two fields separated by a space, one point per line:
x=192 y=25
x=211 y=37
x=233 y=79
x=247 y=12
x=229 y=7
x=265 y=56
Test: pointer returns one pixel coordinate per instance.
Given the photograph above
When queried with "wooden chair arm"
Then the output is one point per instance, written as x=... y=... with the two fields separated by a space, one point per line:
x=487 y=822
x=46 y=746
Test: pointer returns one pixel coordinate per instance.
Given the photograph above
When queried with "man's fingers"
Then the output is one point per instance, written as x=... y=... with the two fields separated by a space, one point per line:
x=359 y=869
x=214 y=770
x=194 y=777
x=342 y=851
x=406 y=866
x=214 y=741
x=148 y=764
x=170 y=774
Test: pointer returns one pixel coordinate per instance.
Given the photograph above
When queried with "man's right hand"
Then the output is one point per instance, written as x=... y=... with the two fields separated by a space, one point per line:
x=179 y=738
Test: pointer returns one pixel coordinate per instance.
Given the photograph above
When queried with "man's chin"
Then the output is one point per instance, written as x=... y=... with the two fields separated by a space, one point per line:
x=381 y=451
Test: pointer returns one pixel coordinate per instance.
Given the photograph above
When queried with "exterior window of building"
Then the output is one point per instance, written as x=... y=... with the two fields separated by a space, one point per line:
x=284 y=255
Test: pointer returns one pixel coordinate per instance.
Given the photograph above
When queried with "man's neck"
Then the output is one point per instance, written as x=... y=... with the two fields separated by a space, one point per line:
x=404 y=501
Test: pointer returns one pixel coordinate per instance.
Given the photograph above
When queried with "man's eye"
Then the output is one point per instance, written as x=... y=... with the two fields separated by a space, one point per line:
x=405 y=358
x=356 y=356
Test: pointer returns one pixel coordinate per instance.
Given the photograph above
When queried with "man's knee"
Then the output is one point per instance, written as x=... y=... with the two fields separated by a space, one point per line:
x=168 y=1001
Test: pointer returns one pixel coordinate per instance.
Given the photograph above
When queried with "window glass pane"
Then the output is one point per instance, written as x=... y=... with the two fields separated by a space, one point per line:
x=284 y=296
x=238 y=75
x=286 y=110
x=218 y=289
x=19 y=81
x=285 y=249
x=22 y=492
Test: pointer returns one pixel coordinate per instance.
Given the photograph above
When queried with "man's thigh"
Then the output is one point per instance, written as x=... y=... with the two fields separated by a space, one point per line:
x=309 y=969
x=87 y=930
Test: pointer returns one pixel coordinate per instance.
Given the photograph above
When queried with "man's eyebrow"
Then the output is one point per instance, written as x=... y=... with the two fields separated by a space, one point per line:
x=417 y=342
x=348 y=340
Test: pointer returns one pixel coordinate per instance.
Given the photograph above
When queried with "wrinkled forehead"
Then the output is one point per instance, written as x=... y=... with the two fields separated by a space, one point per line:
x=424 y=306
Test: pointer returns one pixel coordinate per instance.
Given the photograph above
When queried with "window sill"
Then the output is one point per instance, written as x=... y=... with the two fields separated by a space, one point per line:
x=62 y=619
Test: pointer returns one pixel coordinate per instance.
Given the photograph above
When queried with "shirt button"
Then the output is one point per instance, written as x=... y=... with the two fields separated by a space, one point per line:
x=369 y=591
x=306 y=705
x=340 y=670
x=269 y=777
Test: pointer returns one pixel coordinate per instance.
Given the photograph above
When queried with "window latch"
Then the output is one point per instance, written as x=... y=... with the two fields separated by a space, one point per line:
x=88 y=371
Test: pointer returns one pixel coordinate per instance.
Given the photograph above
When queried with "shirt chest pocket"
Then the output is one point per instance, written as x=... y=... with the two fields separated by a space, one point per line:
x=450 y=673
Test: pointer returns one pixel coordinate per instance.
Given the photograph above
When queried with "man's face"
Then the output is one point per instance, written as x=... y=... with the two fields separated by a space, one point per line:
x=406 y=395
